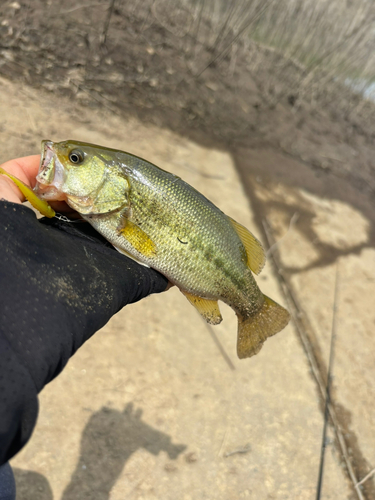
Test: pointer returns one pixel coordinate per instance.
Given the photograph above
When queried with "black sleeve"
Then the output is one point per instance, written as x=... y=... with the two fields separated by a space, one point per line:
x=60 y=282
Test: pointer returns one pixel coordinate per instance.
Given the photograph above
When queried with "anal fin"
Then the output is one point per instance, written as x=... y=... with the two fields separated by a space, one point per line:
x=208 y=309
x=256 y=258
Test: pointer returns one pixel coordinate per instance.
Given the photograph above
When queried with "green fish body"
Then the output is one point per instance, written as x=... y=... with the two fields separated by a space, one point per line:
x=162 y=222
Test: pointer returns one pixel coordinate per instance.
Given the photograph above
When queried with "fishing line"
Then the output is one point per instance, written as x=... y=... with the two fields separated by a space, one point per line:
x=64 y=218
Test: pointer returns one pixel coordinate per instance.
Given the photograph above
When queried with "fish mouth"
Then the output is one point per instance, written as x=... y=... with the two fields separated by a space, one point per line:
x=50 y=176
x=47 y=154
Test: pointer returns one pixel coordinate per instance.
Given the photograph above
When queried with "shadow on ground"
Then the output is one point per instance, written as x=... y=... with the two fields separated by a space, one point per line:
x=108 y=441
x=31 y=485
x=270 y=168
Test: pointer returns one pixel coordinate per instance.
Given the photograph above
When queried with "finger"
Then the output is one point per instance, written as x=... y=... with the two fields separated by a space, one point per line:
x=25 y=169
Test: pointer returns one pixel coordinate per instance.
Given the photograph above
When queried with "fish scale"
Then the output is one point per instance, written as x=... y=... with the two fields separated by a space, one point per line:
x=168 y=229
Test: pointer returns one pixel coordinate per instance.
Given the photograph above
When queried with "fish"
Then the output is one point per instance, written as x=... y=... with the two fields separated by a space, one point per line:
x=160 y=221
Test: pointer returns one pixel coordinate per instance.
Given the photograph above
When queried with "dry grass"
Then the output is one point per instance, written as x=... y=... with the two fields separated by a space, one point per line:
x=334 y=36
x=324 y=41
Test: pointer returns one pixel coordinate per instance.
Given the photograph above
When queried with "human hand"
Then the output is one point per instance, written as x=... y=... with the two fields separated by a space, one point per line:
x=25 y=169
x=60 y=283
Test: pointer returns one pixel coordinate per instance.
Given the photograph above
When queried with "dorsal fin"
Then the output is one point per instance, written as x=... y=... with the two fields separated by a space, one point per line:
x=256 y=258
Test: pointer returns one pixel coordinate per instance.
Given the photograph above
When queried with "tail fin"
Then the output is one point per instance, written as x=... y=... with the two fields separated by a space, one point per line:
x=254 y=330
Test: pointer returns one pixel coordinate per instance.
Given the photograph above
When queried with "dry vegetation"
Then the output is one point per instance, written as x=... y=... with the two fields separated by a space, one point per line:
x=326 y=40
x=303 y=45
x=295 y=50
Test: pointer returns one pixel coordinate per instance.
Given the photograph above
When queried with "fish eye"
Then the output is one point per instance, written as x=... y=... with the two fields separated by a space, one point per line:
x=76 y=156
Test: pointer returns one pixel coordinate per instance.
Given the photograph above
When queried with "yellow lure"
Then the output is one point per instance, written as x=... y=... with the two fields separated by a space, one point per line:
x=41 y=205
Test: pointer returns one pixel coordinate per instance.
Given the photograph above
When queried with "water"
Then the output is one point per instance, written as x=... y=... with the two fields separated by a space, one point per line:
x=363 y=87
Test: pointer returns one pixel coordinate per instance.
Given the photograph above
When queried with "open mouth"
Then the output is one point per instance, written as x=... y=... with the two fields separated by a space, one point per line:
x=47 y=154
x=46 y=173
x=50 y=177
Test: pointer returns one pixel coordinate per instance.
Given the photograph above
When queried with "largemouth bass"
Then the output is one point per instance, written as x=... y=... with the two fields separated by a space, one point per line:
x=162 y=222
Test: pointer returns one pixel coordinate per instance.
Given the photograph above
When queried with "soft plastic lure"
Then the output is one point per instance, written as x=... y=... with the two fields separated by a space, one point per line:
x=41 y=205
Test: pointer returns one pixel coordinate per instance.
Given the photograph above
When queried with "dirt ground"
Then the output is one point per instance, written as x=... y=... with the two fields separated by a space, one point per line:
x=157 y=405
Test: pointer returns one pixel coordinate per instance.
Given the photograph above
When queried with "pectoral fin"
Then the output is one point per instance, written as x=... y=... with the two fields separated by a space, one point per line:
x=256 y=257
x=208 y=309
x=40 y=205
x=138 y=239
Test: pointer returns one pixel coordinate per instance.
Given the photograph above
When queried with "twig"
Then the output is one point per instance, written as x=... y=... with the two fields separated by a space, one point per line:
x=328 y=390
x=292 y=221
x=219 y=346
x=244 y=27
x=98 y=97
x=246 y=449
x=77 y=7
x=332 y=158
x=371 y=473
x=103 y=36
x=223 y=441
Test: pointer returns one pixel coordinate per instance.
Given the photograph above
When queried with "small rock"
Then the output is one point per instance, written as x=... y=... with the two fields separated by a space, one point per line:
x=212 y=86
x=170 y=467
x=191 y=457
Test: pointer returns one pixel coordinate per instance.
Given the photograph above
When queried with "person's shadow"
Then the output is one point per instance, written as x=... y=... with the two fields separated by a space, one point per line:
x=108 y=440
x=31 y=485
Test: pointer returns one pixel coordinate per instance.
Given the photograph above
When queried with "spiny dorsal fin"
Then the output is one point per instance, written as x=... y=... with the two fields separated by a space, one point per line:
x=138 y=239
x=256 y=258
x=208 y=309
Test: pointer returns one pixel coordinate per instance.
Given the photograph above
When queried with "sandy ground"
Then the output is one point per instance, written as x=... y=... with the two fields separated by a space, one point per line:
x=157 y=405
